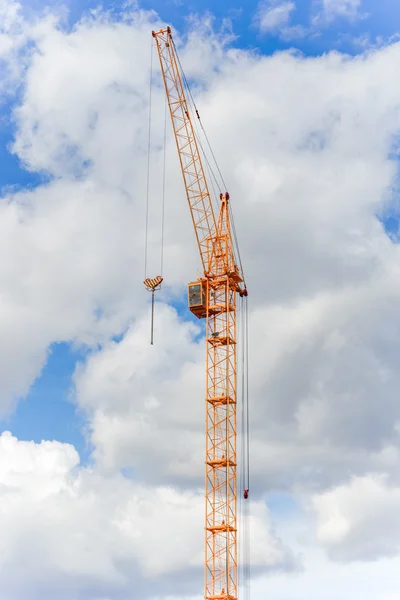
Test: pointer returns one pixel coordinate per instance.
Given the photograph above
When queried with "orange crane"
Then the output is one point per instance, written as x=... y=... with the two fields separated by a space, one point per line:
x=213 y=297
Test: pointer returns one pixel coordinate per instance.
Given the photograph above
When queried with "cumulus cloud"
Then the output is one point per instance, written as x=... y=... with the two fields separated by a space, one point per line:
x=145 y=402
x=322 y=577
x=17 y=32
x=357 y=521
x=324 y=312
x=273 y=15
x=341 y=8
x=79 y=534
x=73 y=243
x=60 y=241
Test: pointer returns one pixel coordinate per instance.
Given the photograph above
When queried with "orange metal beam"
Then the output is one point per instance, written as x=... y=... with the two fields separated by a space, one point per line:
x=196 y=187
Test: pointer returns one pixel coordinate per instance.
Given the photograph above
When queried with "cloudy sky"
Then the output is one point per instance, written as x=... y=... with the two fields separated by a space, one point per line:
x=101 y=445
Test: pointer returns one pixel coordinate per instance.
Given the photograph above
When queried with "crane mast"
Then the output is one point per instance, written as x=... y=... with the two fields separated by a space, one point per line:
x=212 y=297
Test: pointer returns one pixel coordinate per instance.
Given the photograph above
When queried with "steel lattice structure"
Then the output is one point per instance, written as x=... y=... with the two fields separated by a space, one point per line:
x=214 y=297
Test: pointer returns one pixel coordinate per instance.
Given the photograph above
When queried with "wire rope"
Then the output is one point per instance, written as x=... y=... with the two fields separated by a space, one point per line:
x=235 y=237
x=198 y=116
x=198 y=138
x=192 y=103
x=195 y=129
x=148 y=162
x=247 y=390
x=163 y=190
x=247 y=531
x=242 y=469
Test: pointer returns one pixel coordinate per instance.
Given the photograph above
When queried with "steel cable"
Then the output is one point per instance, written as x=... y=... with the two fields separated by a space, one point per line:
x=148 y=163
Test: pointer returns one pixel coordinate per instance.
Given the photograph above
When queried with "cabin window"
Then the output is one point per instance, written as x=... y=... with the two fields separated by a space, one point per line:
x=195 y=295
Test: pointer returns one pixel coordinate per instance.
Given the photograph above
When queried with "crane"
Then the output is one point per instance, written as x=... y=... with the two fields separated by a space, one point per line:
x=213 y=297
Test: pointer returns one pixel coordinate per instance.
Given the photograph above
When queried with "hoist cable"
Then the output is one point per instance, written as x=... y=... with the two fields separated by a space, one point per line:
x=200 y=143
x=247 y=390
x=247 y=531
x=243 y=391
x=152 y=318
x=209 y=165
x=205 y=157
x=247 y=557
x=195 y=129
x=235 y=237
x=148 y=165
x=198 y=137
x=213 y=155
x=186 y=84
x=243 y=434
x=197 y=113
x=227 y=449
x=211 y=178
x=191 y=99
x=196 y=133
x=163 y=189
x=244 y=507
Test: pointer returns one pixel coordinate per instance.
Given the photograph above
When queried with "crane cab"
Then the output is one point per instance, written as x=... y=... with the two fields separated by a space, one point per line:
x=197 y=299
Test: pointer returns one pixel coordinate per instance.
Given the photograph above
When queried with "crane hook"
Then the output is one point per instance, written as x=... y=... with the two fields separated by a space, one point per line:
x=151 y=286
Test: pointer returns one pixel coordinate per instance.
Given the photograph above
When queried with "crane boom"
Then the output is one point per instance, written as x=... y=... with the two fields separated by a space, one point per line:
x=214 y=297
x=197 y=192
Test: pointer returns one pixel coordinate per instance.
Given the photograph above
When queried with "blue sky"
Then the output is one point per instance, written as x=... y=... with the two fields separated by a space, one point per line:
x=47 y=412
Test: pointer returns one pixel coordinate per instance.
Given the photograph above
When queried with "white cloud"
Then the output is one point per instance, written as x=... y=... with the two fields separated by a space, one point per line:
x=323 y=578
x=273 y=15
x=143 y=398
x=341 y=8
x=75 y=247
x=294 y=32
x=321 y=366
x=12 y=38
x=357 y=521
x=16 y=32
x=79 y=534
x=60 y=240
